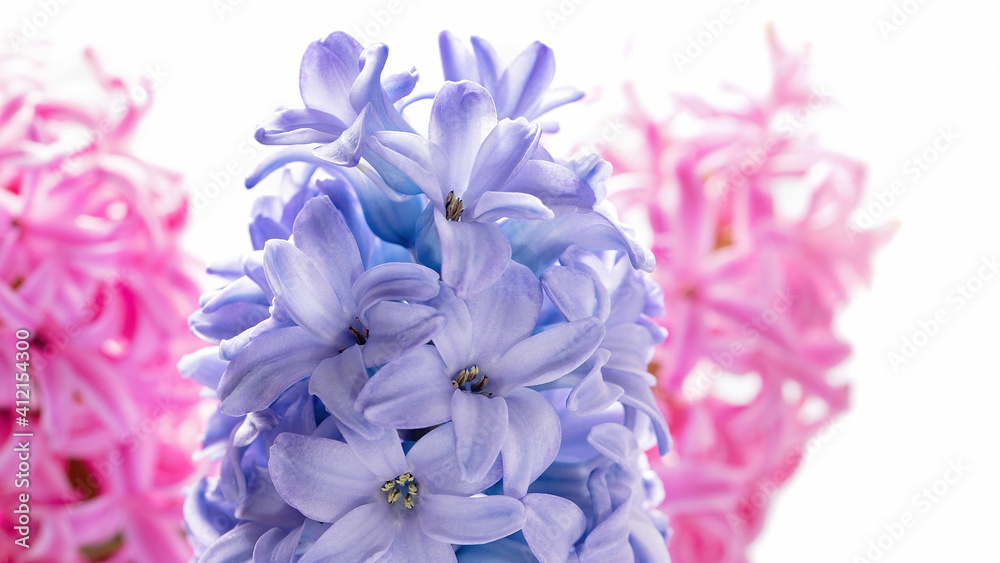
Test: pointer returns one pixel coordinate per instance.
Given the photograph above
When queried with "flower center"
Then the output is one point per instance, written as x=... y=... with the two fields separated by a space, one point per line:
x=469 y=381
x=403 y=486
x=453 y=207
x=360 y=336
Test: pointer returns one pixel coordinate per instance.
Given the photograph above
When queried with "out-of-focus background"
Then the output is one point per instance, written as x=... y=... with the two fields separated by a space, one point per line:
x=916 y=83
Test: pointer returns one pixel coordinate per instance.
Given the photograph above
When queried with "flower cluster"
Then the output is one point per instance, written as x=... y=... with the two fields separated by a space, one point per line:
x=93 y=279
x=438 y=348
x=751 y=288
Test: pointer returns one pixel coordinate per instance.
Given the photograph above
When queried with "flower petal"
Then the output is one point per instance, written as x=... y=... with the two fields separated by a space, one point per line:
x=395 y=281
x=548 y=355
x=473 y=255
x=303 y=292
x=454 y=341
x=270 y=364
x=469 y=521
x=435 y=464
x=593 y=395
x=462 y=115
x=499 y=205
x=552 y=525
x=503 y=152
x=411 y=391
x=480 y=427
x=329 y=70
x=558 y=187
x=394 y=328
x=417 y=158
x=382 y=456
x=575 y=293
x=525 y=81
x=322 y=478
x=363 y=535
x=298 y=127
x=496 y=329
x=322 y=234
x=412 y=545
x=532 y=441
x=337 y=381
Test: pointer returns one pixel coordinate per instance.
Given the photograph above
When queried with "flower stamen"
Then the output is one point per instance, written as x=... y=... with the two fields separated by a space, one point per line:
x=453 y=207
x=469 y=381
x=404 y=483
x=360 y=336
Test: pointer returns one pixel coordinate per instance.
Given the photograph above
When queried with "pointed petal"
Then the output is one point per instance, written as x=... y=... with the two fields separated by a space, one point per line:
x=454 y=341
x=329 y=70
x=382 y=456
x=469 y=521
x=499 y=205
x=322 y=234
x=558 y=187
x=395 y=281
x=525 y=81
x=462 y=116
x=416 y=157
x=270 y=364
x=367 y=89
x=299 y=127
x=502 y=155
x=458 y=62
x=337 y=381
x=322 y=478
x=498 y=328
x=532 y=442
x=303 y=293
x=435 y=463
x=575 y=293
x=363 y=535
x=473 y=255
x=552 y=526
x=593 y=395
x=395 y=328
x=480 y=427
x=411 y=391
x=412 y=545
x=548 y=355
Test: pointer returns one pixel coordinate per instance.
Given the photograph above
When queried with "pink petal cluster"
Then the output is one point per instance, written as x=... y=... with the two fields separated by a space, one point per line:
x=90 y=266
x=752 y=285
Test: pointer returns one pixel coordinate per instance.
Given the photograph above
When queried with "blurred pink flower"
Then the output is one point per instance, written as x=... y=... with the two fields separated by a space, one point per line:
x=751 y=288
x=90 y=266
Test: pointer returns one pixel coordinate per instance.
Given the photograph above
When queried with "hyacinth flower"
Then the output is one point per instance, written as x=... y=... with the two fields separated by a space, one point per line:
x=91 y=268
x=750 y=292
x=437 y=347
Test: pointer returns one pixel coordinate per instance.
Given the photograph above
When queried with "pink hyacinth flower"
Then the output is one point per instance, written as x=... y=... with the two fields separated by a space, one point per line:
x=90 y=266
x=751 y=290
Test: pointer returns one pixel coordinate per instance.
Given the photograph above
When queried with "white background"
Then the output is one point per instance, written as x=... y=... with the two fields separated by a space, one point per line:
x=225 y=72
